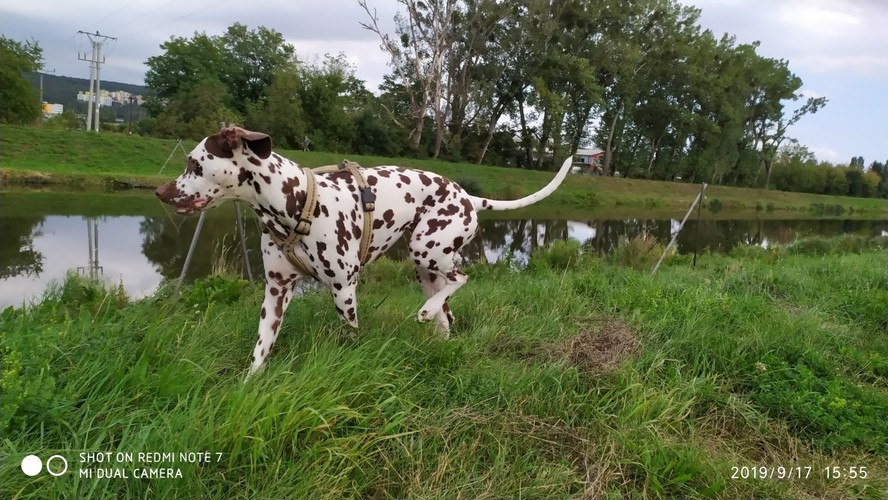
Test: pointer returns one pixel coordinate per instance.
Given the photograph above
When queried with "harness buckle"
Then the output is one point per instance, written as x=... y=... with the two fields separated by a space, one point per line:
x=368 y=198
x=303 y=227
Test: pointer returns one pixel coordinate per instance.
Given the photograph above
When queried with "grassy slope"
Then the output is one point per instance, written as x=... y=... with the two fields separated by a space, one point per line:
x=772 y=360
x=36 y=155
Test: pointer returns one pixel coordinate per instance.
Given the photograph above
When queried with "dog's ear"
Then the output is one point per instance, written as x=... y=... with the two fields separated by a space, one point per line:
x=258 y=143
x=230 y=139
x=218 y=145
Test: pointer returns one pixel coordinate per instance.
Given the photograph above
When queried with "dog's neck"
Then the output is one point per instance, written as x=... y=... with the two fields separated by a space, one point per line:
x=284 y=181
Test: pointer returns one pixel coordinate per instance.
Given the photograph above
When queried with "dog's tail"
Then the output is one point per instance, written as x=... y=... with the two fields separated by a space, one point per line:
x=487 y=204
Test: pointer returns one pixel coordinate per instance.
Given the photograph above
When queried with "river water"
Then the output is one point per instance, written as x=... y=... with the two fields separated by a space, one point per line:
x=130 y=238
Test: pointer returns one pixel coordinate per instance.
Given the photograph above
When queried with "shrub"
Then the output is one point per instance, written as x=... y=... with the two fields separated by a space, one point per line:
x=214 y=289
x=640 y=252
x=563 y=254
x=471 y=186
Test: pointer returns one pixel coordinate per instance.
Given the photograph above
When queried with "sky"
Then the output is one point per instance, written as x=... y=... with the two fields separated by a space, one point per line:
x=839 y=48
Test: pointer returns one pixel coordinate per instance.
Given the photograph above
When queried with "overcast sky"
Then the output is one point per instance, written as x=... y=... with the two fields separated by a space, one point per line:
x=838 y=47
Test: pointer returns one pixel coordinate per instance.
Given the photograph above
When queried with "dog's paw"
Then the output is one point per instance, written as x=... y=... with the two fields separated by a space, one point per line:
x=424 y=316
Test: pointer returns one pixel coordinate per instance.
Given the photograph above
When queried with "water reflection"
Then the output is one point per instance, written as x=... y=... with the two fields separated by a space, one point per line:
x=140 y=250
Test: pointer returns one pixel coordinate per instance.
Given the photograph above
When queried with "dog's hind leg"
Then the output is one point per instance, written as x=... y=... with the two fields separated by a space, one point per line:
x=431 y=284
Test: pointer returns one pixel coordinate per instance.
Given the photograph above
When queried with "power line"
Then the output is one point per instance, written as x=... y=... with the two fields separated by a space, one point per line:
x=183 y=16
x=144 y=15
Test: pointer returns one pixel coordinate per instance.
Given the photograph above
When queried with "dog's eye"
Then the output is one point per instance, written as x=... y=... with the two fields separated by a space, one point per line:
x=193 y=167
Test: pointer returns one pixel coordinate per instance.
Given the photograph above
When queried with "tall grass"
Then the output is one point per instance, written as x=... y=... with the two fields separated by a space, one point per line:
x=577 y=377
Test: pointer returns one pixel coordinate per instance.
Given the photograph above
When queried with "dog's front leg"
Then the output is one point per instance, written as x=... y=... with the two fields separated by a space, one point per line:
x=277 y=298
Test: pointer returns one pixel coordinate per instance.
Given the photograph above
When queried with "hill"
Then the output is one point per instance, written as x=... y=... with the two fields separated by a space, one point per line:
x=64 y=89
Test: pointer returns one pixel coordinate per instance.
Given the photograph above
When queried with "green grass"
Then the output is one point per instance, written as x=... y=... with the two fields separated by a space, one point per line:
x=576 y=377
x=33 y=155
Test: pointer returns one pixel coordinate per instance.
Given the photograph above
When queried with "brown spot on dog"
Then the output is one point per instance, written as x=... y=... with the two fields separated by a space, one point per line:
x=437 y=224
x=426 y=181
x=389 y=217
x=243 y=176
x=409 y=198
x=448 y=211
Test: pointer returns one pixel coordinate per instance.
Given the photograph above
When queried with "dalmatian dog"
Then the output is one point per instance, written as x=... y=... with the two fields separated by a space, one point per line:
x=438 y=216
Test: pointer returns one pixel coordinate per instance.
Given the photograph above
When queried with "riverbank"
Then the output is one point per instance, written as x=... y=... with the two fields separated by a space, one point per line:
x=594 y=380
x=38 y=156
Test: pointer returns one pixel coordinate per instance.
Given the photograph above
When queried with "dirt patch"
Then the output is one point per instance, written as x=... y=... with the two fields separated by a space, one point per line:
x=608 y=343
x=600 y=348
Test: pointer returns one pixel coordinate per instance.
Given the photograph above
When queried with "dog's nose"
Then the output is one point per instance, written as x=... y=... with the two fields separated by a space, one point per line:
x=162 y=190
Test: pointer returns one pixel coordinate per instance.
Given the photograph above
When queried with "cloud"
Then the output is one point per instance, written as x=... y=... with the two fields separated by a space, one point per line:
x=815 y=35
x=824 y=153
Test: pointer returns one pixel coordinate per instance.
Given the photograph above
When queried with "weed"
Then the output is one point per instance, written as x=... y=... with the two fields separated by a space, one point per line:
x=640 y=252
x=562 y=254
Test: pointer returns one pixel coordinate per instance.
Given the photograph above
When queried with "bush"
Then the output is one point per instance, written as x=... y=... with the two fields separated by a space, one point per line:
x=640 y=252
x=214 y=289
x=563 y=254
x=471 y=186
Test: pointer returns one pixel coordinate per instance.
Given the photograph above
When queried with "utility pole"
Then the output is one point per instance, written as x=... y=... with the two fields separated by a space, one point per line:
x=95 y=60
x=131 y=99
x=41 y=85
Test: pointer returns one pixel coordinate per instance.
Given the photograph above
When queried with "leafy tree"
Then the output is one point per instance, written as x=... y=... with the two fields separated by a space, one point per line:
x=19 y=100
x=836 y=180
x=280 y=114
x=196 y=111
x=854 y=176
x=67 y=120
x=331 y=97
x=245 y=61
x=881 y=169
x=871 y=183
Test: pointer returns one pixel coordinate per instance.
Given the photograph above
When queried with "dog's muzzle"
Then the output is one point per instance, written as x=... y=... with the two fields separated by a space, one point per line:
x=170 y=194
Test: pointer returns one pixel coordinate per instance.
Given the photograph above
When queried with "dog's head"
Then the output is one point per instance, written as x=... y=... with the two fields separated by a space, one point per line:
x=218 y=169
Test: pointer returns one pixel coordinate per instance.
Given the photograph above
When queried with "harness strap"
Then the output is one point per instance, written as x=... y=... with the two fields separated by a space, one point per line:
x=303 y=226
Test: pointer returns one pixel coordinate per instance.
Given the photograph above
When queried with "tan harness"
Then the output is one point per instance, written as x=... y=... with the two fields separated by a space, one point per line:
x=303 y=227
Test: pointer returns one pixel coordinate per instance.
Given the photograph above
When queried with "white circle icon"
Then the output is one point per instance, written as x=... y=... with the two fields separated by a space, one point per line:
x=31 y=465
x=64 y=468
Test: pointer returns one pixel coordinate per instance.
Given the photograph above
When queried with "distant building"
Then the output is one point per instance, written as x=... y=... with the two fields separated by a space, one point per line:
x=589 y=156
x=104 y=97
x=50 y=109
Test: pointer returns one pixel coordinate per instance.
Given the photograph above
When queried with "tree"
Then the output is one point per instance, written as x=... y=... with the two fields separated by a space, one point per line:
x=280 y=114
x=196 y=111
x=245 y=61
x=424 y=39
x=19 y=100
x=769 y=123
x=331 y=96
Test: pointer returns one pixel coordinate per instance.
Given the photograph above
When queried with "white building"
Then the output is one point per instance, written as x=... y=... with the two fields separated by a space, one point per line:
x=52 y=109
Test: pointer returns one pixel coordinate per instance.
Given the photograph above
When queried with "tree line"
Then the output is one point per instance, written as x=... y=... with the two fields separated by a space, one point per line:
x=516 y=83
